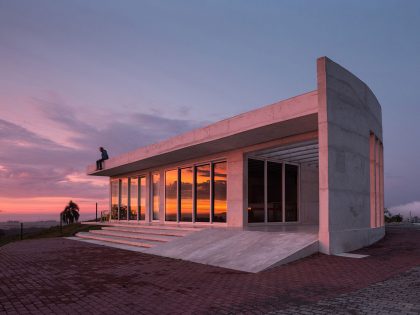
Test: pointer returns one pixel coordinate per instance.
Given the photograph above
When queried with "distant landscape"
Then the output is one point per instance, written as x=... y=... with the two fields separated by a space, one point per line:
x=6 y=216
x=11 y=224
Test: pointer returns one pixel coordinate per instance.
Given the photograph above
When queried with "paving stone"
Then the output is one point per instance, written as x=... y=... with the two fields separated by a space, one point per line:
x=59 y=276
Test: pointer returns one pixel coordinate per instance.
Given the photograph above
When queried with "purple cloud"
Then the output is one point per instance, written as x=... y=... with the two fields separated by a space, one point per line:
x=32 y=165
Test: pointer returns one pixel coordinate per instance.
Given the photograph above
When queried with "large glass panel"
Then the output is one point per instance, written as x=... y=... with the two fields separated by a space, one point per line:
x=186 y=194
x=142 y=210
x=134 y=198
x=202 y=186
x=114 y=199
x=124 y=199
x=219 y=192
x=274 y=192
x=155 y=195
x=255 y=191
x=291 y=192
x=171 y=195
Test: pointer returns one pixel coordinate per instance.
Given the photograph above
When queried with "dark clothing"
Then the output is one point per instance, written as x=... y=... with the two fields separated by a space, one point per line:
x=104 y=155
x=99 y=164
x=100 y=161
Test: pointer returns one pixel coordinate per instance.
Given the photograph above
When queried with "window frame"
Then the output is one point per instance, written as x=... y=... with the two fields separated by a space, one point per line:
x=283 y=162
x=194 y=193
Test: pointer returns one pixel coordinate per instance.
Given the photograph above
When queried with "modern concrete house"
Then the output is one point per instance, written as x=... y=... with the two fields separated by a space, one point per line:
x=288 y=179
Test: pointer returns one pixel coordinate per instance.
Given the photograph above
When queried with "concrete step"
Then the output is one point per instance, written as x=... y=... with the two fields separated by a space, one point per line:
x=109 y=244
x=134 y=235
x=157 y=227
x=140 y=230
x=117 y=240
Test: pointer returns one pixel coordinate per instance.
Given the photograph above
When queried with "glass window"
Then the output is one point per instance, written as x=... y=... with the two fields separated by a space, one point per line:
x=114 y=198
x=274 y=192
x=202 y=187
x=171 y=195
x=255 y=191
x=219 y=192
x=155 y=195
x=186 y=194
x=134 y=198
x=142 y=210
x=124 y=199
x=291 y=192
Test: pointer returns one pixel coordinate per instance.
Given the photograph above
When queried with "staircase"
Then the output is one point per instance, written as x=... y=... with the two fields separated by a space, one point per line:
x=249 y=250
x=137 y=236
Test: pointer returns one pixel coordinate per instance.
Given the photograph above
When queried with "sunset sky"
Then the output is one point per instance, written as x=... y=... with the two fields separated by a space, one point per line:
x=75 y=75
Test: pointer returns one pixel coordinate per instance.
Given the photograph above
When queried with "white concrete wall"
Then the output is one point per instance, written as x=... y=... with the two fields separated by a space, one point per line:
x=237 y=216
x=309 y=195
x=348 y=112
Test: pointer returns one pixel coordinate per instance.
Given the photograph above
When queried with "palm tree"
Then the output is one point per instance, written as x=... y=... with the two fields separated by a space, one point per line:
x=70 y=213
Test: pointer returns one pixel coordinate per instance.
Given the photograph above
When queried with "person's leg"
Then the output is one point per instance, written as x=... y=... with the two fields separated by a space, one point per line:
x=99 y=164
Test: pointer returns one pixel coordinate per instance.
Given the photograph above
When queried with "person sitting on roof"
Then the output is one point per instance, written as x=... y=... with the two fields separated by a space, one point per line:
x=102 y=159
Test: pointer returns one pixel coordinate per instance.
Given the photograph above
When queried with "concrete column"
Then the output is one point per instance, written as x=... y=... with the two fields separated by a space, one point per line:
x=324 y=235
x=237 y=200
x=309 y=195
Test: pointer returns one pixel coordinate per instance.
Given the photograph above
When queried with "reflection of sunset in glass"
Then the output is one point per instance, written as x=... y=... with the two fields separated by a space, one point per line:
x=155 y=194
x=186 y=194
x=142 y=198
x=171 y=191
x=124 y=199
x=220 y=189
x=134 y=192
x=114 y=198
x=203 y=193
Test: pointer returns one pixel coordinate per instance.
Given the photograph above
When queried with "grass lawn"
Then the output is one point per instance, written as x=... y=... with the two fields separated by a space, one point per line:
x=54 y=231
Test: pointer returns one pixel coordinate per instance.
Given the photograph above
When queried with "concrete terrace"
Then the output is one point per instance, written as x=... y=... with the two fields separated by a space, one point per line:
x=252 y=250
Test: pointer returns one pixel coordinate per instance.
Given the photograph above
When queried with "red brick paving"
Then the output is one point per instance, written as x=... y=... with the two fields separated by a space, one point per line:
x=60 y=276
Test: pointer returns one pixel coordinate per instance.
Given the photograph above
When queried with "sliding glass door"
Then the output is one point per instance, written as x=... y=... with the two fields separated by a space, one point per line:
x=134 y=198
x=273 y=191
x=197 y=193
x=202 y=180
x=256 y=193
x=291 y=192
x=186 y=194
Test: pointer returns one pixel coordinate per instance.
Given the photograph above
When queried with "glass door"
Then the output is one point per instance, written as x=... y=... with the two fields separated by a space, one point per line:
x=273 y=191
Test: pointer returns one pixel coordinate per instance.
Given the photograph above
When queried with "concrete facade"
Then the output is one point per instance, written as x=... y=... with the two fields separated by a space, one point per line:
x=348 y=113
x=326 y=133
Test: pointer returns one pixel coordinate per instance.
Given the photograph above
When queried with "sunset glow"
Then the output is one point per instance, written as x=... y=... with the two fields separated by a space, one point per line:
x=125 y=76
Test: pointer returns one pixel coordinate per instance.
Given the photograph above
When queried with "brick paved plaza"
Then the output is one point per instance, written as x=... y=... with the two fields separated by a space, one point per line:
x=60 y=276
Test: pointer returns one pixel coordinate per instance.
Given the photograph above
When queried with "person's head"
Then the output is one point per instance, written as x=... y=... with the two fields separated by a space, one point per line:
x=101 y=149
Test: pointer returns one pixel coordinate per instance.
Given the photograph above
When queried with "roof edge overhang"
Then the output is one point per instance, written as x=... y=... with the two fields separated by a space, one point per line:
x=286 y=118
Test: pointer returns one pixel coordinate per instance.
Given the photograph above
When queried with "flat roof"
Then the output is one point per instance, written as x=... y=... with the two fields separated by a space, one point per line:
x=289 y=117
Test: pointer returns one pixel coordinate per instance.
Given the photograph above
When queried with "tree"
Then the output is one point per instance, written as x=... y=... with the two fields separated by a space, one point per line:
x=70 y=213
x=387 y=215
x=397 y=218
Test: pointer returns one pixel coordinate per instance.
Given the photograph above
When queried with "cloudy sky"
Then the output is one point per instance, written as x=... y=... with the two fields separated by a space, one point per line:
x=78 y=74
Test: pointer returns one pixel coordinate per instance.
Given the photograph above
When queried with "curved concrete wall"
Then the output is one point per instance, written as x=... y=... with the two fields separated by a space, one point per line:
x=348 y=113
